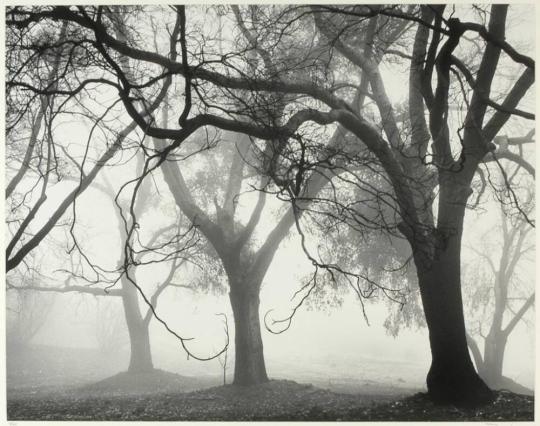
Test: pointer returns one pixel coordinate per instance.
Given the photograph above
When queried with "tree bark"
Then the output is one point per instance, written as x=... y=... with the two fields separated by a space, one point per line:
x=141 y=355
x=452 y=377
x=249 y=367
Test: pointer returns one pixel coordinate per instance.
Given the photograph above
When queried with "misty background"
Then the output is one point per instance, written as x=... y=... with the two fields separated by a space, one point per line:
x=326 y=344
x=336 y=340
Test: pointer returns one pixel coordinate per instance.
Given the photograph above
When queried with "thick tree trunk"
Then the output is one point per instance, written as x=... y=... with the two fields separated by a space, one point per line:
x=249 y=366
x=452 y=377
x=141 y=355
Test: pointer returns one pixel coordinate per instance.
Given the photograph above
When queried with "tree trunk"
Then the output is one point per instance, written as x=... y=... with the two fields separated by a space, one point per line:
x=493 y=360
x=141 y=355
x=452 y=377
x=249 y=366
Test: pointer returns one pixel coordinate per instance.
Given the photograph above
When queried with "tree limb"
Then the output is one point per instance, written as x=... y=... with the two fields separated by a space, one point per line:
x=519 y=314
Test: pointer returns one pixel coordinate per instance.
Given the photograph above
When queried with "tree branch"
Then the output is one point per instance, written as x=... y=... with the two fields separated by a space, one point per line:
x=519 y=314
x=499 y=119
x=69 y=289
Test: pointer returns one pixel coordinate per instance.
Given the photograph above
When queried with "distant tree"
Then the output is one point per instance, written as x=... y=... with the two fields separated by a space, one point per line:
x=498 y=296
x=173 y=245
x=245 y=264
x=27 y=313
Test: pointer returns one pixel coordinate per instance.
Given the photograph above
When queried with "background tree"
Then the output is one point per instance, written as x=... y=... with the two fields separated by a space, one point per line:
x=245 y=264
x=502 y=295
x=510 y=305
x=72 y=91
x=170 y=246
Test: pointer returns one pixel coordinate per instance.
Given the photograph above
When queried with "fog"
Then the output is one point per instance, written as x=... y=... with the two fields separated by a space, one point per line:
x=257 y=212
x=336 y=347
x=328 y=345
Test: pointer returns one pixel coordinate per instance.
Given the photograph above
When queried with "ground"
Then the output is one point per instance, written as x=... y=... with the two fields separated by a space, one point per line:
x=134 y=397
x=51 y=383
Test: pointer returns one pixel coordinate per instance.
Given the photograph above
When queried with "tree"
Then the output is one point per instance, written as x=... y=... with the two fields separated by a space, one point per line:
x=496 y=297
x=436 y=241
x=29 y=56
x=244 y=264
x=501 y=297
x=500 y=282
x=180 y=246
x=427 y=154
